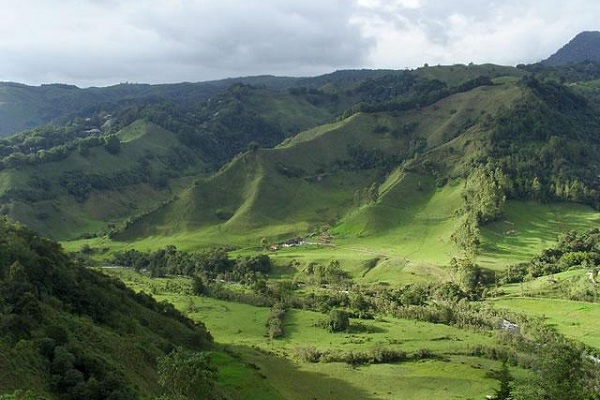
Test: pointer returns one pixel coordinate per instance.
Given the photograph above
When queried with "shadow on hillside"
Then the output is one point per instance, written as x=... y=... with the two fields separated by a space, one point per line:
x=291 y=382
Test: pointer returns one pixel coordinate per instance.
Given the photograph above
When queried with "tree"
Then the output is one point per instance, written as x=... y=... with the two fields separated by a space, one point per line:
x=373 y=193
x=186 y=374
x=536 y=189
x=112 y=144
x=468 y=274
x=339 y=320
x=198 y=286
x=503 y=393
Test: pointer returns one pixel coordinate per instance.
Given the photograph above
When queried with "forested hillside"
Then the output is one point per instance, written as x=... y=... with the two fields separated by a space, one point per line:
x=70 y=333
x=338 y=229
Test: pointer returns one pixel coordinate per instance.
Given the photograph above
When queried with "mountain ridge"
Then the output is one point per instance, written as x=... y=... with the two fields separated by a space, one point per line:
x=585 y=46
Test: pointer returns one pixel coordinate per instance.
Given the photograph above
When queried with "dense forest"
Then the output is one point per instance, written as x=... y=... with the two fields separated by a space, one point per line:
x=78 y=333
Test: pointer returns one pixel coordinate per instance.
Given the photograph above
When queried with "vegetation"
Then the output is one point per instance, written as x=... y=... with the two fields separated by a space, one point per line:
x=78 y=333
x=340 y=229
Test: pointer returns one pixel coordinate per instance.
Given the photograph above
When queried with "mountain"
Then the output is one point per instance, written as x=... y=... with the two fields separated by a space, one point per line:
x=583 y=47
x=25 y=107
x=369 y=173
x=93 y=174
x=71 y=333
x=386 y=177
x=355 y=153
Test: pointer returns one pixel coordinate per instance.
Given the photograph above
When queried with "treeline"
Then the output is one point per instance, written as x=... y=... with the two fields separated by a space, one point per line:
x=219 y=128
x=35 y=148
x=547 y=145
x=406 y=92
x=484 y=195
x=212 y=264
x=573 y=250
x=583 y=71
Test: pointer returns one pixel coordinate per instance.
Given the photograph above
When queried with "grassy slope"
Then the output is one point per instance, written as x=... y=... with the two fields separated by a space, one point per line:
x=528 y=227
x=575 y=319
x=264 y=203
x=408 y=229
x=102 y=207
x=549 y=299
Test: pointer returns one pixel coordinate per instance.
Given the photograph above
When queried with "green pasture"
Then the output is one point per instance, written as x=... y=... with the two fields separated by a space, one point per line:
x=241 y=330
x=528 y=227
x=575 y=319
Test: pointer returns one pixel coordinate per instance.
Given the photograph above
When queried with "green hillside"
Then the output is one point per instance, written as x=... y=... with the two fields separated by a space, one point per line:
x=331 y=232
x=67 y=332
x=415 y=165
x=392 y=182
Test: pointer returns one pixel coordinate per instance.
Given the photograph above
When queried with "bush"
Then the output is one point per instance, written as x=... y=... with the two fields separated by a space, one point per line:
x=339 y=321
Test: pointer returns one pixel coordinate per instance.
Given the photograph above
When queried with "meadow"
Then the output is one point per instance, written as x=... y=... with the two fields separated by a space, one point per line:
x=240 y=330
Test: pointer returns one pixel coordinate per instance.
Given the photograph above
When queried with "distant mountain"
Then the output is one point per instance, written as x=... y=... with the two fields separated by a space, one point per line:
x=24 y=107
x=583 y=47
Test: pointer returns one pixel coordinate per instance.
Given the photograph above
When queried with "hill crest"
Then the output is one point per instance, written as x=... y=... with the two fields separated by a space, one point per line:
x=583 y=47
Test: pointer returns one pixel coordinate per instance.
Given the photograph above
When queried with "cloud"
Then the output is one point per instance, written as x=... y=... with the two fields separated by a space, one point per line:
x=412 y=32
x=102 y=42
x=159 y=40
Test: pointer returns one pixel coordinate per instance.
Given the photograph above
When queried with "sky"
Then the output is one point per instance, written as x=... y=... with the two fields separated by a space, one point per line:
x=106 y=42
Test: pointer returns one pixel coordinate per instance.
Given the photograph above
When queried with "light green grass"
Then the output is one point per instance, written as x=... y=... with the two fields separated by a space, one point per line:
x=574 y=319
x=528 y=227
x=242 y=329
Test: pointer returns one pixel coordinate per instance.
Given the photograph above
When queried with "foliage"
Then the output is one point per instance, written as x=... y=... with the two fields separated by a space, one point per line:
x=573 y=250
x=546 y=143
x=504 y=378
x=338 y=321
x=49 y=304
x=275 y=321
x=186 y=374
x=212 y=264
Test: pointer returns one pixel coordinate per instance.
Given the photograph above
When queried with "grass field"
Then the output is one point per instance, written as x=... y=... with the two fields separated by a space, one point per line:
x=241 y=330
x=575 y=319
x=528 y=227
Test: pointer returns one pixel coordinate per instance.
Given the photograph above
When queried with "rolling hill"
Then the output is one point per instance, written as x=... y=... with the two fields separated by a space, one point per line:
x=388 y=201
x=359 y=154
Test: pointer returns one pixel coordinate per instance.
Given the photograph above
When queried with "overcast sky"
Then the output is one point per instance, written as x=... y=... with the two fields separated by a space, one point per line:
x=105 y=42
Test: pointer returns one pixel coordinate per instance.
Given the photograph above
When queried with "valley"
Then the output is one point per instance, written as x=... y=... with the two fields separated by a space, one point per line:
x=368 y=234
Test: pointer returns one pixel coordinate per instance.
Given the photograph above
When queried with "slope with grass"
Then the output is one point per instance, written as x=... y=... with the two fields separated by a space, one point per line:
x=86 y=192
x=335 y=173
x=241 y=329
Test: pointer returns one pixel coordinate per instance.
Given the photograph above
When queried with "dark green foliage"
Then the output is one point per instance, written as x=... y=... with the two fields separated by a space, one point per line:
x=563 y=371
x=49 y=304
x=211 y=263
x=331 y=273
x=275 y=321
x=504 y=379
x=185 y=374
x=573 y=250
x=468 y=276
x=339 y=320
x=377 y=355
x=112 y=144
x=547 y=145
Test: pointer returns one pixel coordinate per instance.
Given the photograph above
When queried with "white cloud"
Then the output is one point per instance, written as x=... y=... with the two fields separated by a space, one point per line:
x=441 y=32
x=100 y=42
